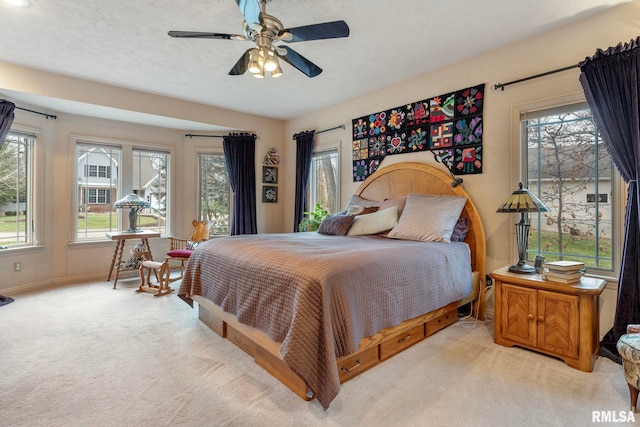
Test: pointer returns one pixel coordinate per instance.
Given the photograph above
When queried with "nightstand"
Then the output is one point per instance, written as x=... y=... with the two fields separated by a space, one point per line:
x=557 y=319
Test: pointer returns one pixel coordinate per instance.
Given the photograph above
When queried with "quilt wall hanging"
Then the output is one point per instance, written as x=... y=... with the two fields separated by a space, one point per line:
x=449 y=124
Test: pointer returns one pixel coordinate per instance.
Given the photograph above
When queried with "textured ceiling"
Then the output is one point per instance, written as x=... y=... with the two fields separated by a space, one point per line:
x=125 y=43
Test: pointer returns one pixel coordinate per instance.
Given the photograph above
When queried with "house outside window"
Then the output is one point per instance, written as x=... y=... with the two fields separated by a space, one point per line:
x=324 y=182
x=100 y=181
x=566 y=167
x=214 y=193
x=18 y=187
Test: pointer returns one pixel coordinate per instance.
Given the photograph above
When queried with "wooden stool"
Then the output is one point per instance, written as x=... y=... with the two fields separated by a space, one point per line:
x=161 y=271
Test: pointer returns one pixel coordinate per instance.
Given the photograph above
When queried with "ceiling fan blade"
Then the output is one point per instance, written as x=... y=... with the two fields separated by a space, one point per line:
x=250 y=10
x=200 y=35
x=300 y=62
x=327 y=30
x=241 y=66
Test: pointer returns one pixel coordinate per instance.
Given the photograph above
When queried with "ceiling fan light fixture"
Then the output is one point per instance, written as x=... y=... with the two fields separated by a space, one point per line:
x=259 y=74
x=277 y=72
x=271 y=61
x=254 y=64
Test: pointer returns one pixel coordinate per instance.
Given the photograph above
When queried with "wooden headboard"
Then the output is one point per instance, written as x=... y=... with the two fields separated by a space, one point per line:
x=400 y=179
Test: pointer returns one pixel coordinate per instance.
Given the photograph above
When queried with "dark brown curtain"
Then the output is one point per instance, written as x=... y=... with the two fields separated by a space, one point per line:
x=304 y=142
x=611 y=83
x=239 y=156
x=6 y=119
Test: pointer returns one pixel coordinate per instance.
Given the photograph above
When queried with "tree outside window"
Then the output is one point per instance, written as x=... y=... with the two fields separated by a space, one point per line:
x=16 y=174
x=324 y=181
x=567 y=166
x=214 y=193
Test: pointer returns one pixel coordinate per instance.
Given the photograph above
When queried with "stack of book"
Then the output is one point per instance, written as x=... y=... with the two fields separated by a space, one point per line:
x=563 y=271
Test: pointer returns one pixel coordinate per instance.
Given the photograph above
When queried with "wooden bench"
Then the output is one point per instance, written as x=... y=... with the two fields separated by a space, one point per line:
x=161 y=271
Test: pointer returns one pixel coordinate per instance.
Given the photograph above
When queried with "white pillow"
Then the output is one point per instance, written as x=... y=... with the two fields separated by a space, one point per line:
x=428 y=218
x=374 y=223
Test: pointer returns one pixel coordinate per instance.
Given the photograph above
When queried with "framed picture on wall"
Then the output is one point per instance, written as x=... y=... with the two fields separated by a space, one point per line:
x=269 y=175
x=269 y=194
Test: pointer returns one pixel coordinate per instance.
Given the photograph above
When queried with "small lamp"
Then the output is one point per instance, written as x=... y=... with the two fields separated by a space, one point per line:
x=522 y=201
x=442 y=157
x=136 y=204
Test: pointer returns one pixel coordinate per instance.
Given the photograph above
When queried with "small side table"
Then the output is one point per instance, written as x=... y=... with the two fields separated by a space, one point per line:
x=120 y=237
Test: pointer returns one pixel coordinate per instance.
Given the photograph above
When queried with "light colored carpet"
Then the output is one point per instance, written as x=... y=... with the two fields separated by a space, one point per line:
x=87 y=355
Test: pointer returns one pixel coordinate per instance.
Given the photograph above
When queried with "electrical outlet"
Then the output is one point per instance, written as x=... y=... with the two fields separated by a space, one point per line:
x=17 y=266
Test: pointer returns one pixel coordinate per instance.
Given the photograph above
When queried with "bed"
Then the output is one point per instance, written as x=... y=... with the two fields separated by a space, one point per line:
x=315 y=310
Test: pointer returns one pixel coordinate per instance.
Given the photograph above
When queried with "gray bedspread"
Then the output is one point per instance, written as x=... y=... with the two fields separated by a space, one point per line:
x=320 y=295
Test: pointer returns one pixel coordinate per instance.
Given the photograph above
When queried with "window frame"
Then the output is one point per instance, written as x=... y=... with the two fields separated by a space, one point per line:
x=35 y=189
x=124 y=175
x=618 y=187
x=211 y=152
x=319 y=150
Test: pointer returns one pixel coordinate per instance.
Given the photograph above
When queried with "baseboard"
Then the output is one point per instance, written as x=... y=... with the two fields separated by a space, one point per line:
x=52 y=283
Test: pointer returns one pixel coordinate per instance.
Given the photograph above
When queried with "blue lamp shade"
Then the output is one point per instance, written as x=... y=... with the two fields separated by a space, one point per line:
x=522 y=201
x=135 y=203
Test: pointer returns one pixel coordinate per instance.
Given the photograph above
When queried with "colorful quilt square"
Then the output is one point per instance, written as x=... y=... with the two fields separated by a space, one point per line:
x=468 y=131
x=441 y=135
x=470 y=101
x=468 y=160
x=377 y=146
x=396 y=143
x=374 y=164
x=360 y=148
x=396 y=119
x=360 y=127
x=378 y=123
x=360 y=170
x=417 y=139
x=442 y=108
x=417 y=113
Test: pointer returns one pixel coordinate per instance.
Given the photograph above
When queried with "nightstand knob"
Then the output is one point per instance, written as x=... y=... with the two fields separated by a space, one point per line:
x=530 y=317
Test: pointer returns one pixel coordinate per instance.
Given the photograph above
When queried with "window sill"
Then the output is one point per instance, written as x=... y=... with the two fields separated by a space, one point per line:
x=21 y=250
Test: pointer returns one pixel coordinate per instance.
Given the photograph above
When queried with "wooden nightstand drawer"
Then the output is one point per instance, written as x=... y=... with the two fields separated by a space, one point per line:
x=401 y=341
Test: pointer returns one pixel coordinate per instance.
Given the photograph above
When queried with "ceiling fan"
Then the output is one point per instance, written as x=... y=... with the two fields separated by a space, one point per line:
x=266 y=30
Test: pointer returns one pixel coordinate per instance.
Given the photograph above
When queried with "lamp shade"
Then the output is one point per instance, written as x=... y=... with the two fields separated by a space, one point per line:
x=522 y=200
x=132 y=201
x=135 y=203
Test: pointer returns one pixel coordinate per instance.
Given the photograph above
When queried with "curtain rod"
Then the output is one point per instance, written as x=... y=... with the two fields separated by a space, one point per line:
x=502 y=85
x=192 y=135
x=48 y=116
x=325 y=130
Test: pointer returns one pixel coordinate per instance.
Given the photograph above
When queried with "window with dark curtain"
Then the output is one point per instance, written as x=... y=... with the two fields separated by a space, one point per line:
x=239 y=155
x=304 y=152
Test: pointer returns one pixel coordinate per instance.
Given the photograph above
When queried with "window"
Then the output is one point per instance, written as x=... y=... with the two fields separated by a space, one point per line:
x=567 y=166
x=324 y=180
x=101 y=180
x=150 y=179
x=17 y=187
x=214 y=193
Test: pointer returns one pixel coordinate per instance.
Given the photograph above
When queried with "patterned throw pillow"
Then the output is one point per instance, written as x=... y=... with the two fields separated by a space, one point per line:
x=336 y=225
x=357 y=204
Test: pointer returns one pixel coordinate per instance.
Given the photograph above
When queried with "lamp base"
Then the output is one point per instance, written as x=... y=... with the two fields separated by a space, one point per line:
x=522 y=268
